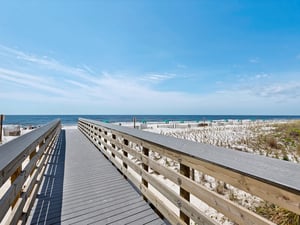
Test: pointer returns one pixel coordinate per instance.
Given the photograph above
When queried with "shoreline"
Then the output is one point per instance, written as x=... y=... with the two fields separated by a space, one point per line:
x=239 y=135
x=66 y=120
x=162 y=126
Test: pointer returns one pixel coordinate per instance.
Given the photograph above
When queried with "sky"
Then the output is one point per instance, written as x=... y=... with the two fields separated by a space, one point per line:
x=150 y=57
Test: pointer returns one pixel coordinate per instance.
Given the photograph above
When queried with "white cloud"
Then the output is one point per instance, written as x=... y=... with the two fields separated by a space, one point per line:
x=271 y=86
x=88 y=69
x=78 y=84
x=157 y=77
x=253 y=79
x=119 y=95
x=262 y=75
x=30 y=81
x=81 y=90
x=50 y=64
x=254 y=60
x=181 y=66
x=282 y=91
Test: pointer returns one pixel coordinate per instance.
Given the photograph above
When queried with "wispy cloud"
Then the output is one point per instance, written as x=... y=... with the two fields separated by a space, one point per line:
x=181 y=66
x=248 y=79
x=266 y=87
x=48 y=63
x=158 y=77
x=73 y=89
x=261 y=76
x=29 y=81
x=283 y=91
x=254 y=60
x=88 y=69
x=78 y=84
x=81 y=85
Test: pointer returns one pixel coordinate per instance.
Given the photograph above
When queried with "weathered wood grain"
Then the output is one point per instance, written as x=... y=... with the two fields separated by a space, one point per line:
x=273 y=180
x=81 y=186
x=22 y=175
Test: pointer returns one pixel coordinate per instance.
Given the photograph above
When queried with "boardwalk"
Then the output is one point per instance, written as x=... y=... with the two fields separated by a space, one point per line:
x=81 y=186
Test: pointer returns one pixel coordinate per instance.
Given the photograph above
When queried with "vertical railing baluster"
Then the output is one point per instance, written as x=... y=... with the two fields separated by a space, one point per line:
x=126 y=143
x=184 y=170
x=15 y=175
x=146 y=168
x=113 y=145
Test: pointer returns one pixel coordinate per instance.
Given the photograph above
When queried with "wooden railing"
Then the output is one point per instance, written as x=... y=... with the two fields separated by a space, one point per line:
x=22 y=165
x=133 y=152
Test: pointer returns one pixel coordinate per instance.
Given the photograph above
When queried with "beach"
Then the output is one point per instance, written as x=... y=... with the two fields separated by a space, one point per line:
x=241 y=135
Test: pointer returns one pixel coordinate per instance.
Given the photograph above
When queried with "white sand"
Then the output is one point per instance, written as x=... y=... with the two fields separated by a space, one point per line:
x=238 y=135
x=6 y=139
x=69 y=127
x=231 y=134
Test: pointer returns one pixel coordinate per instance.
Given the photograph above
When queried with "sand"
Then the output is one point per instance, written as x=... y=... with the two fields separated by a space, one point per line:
x=6 y=139
x=230 y=134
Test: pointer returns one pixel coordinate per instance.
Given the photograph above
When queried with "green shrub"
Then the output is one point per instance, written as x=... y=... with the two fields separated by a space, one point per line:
x=285 y=157
x=295 y=132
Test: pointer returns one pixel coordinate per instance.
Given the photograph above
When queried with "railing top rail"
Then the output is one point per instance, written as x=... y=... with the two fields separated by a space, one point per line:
x=11 y=150
x=269 y=170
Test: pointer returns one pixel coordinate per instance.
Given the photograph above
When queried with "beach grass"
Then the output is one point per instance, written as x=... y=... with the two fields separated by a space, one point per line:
x=278 y=215
x=276 y=139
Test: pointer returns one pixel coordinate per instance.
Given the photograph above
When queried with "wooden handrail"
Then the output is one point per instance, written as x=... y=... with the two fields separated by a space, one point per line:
x=22 y=164
x=273 y=180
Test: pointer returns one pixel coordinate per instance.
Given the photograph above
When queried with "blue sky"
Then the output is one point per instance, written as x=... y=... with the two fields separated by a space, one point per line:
x=150 y=57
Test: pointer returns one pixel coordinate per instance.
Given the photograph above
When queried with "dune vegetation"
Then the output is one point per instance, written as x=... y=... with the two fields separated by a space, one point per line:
x=276 y=139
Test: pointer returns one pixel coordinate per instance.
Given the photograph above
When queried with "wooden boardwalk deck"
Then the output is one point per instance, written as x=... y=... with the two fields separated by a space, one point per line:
x=81 y=186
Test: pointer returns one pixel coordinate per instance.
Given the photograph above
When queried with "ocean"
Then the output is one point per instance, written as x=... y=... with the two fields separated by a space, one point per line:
x=69 y=120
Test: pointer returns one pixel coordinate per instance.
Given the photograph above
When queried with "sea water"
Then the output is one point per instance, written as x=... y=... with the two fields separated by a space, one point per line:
x=69 y=120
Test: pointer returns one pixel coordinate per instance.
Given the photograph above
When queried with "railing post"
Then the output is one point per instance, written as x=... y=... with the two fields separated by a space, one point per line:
x=193 y=174
x=146 y=168
x=125 y=141
x=189 y=165
x=1 y=121
x=184 y=170
x=113 y=145
x=15 y=175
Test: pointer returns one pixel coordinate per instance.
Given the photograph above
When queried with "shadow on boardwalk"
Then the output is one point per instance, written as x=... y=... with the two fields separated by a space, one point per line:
x=82 y=187
x=49 y=199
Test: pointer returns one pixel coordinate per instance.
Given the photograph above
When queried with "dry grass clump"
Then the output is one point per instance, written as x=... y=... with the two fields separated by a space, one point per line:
x=278 y=215
x=289 y=135
x=272 y=142
x=278 y=140
x=282 y=142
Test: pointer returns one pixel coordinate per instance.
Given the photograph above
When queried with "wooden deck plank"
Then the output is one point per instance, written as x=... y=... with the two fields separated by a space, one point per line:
x=104 y=214
x=140 y=218
x=81 y=186
x=154 y=222
x=82 y=216
x=131 y=218
x=81 y=208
